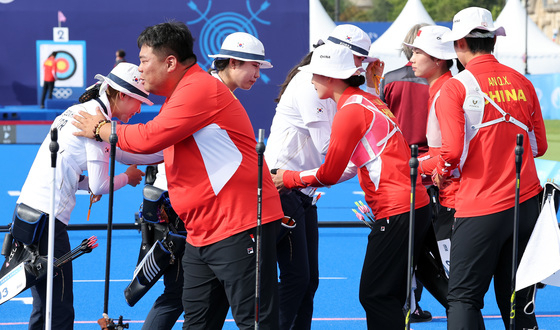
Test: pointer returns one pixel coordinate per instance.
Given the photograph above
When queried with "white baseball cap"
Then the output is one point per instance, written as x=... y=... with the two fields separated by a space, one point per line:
x=125 y=78
x=353 y=37
x=428 y=39
x=332 y=60
x=469 y=19
x=244 y=47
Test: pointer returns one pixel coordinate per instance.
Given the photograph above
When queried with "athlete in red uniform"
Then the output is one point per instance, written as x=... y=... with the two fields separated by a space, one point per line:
x=364 y=132
x=480 y=111
x=432 y=60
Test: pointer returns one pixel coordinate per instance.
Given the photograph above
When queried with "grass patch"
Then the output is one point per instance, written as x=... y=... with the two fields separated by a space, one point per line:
x=553 y=138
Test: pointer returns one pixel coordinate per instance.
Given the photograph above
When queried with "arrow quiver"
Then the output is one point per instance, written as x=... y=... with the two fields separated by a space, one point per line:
x=163 y=242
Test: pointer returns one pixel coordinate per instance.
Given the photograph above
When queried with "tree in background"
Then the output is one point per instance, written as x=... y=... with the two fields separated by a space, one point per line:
x=388 y=10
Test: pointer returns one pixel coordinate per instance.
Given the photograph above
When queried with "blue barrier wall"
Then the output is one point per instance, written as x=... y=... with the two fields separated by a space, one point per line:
x=548 y=170
x=548 y=91
x=106 y=25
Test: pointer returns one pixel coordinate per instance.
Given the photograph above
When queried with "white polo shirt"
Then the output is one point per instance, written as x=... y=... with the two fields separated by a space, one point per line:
x=300 y=131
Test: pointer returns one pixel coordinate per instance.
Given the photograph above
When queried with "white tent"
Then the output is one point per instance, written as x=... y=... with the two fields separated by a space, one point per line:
x=388 y=46
x=320 y=23
x=544 y=54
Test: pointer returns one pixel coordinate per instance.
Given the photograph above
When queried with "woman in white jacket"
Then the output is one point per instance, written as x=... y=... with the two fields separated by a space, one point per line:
x=120 y=95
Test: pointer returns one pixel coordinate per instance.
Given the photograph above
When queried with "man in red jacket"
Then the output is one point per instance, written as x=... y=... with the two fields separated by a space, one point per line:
x=481 y=110
x=208 y=147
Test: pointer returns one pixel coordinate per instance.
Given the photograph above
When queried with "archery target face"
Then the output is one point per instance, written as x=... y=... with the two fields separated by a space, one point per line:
x=65 y=65
x=69 y=63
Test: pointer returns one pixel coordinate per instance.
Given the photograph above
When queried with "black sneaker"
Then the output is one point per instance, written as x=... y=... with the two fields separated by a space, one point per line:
x=420 y=316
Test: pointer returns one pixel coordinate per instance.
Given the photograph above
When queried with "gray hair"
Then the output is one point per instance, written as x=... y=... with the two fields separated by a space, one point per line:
x=409 y=39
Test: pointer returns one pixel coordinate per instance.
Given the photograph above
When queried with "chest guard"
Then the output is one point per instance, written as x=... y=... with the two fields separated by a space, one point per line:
x=474 y=107
x=433 y=131
x=375 y=139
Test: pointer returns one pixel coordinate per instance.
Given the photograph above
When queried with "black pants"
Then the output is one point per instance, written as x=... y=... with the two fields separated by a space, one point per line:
x=481 y=249
x=298 y=261
x=384 y=274
x=62 y=294
x=223 y=274
x=48 y=86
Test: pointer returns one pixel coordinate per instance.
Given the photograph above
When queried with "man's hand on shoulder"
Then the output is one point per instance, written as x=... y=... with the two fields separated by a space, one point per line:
x=86 y=123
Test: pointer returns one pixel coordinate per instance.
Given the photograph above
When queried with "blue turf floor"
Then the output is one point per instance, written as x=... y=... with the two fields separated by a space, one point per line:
x=341 y=255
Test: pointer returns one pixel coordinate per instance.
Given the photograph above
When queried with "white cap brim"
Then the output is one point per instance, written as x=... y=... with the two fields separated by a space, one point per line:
x=263 y=64
x=460 y=33
x=121 y=89
x=437 y=53
x=369 y=59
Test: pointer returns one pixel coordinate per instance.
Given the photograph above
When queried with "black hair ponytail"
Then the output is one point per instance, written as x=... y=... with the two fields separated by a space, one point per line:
x=90 y=93
x=356 y=80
